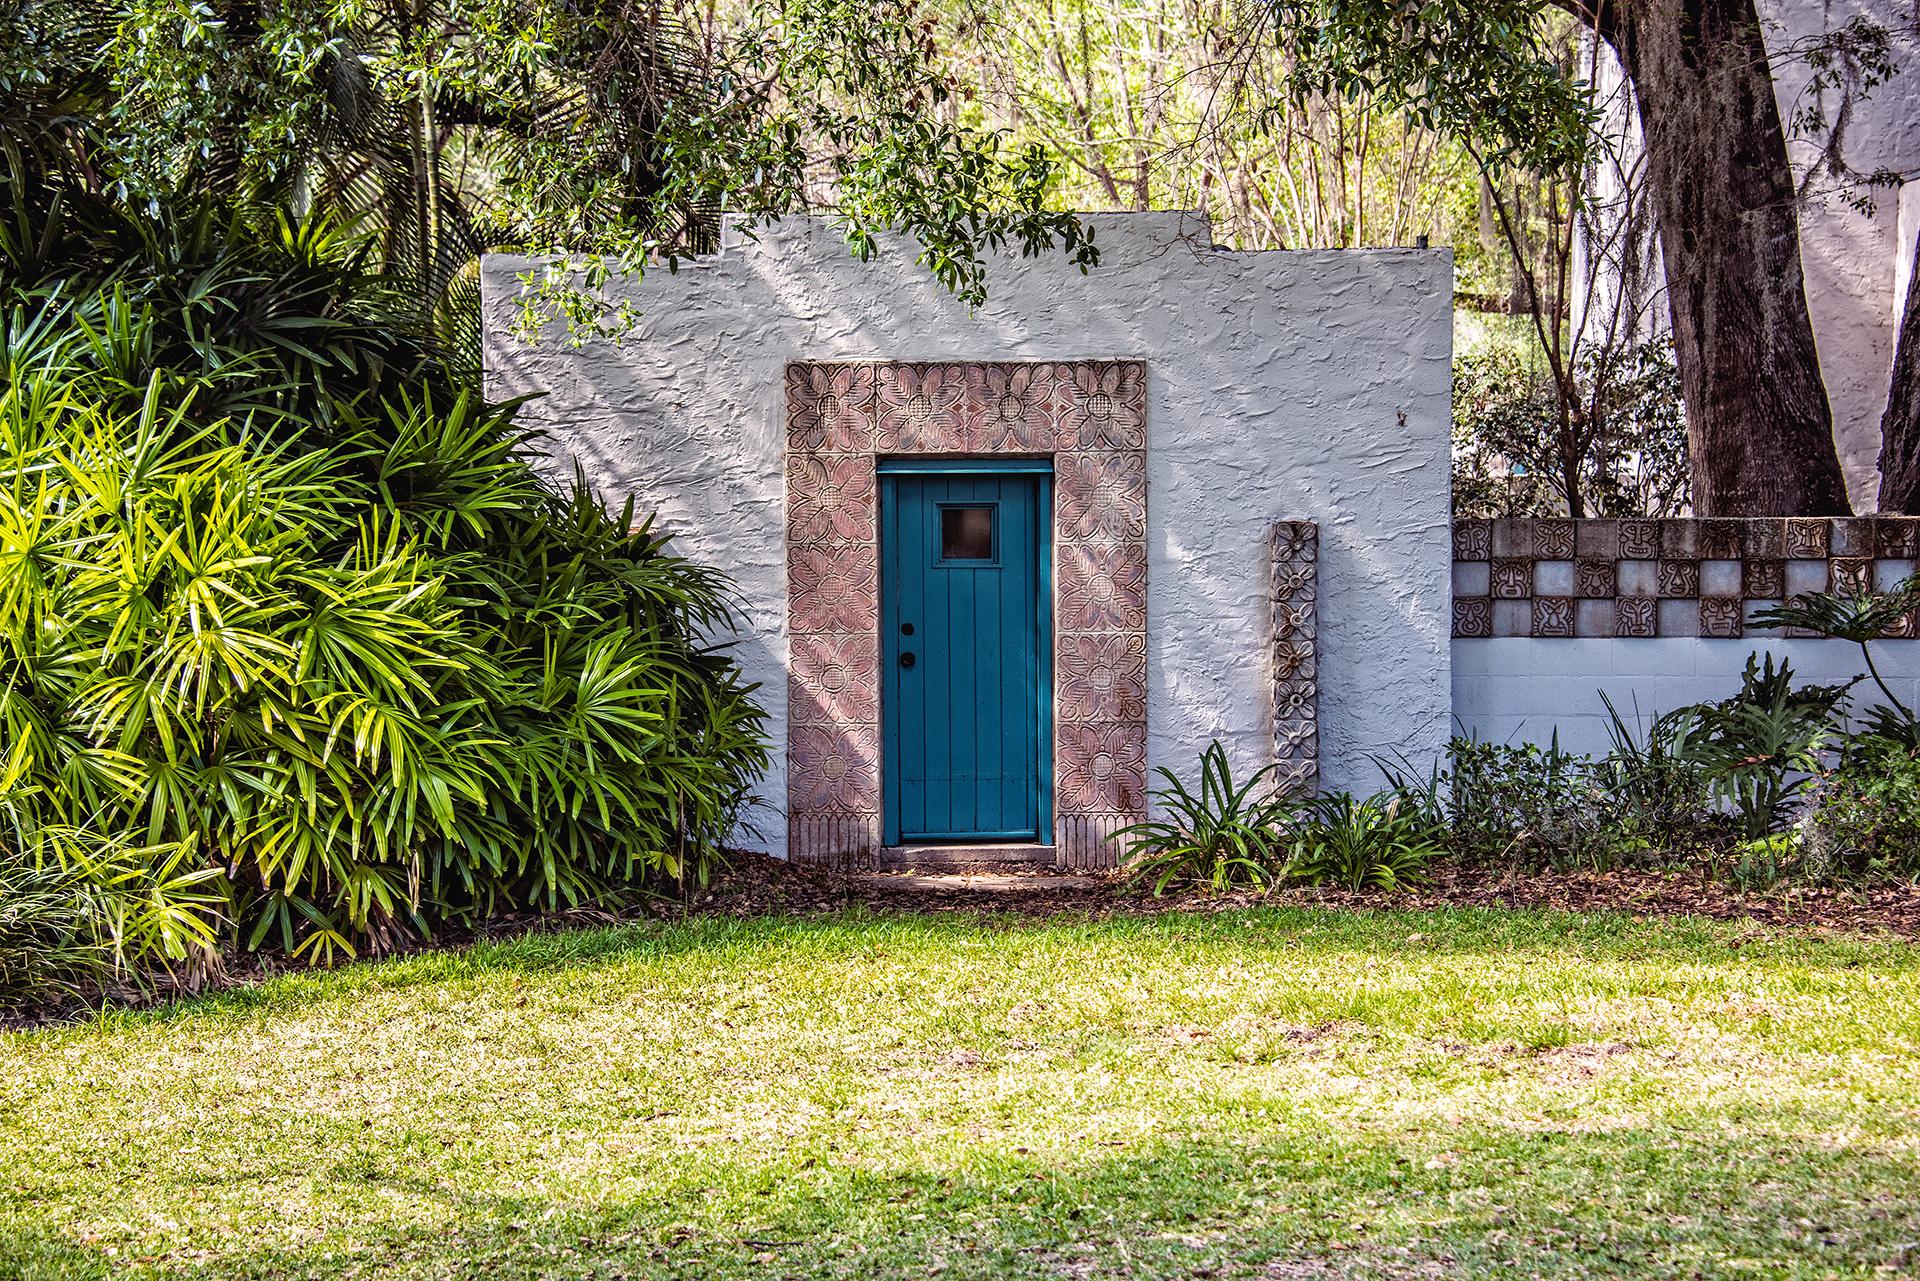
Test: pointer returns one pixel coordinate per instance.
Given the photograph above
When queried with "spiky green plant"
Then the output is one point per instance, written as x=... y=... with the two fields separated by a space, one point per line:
x=1221 y=836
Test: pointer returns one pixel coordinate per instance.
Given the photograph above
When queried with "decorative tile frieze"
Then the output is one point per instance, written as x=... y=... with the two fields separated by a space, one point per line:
x=1091 y=417
x=1638 y=577
x=1295 y=568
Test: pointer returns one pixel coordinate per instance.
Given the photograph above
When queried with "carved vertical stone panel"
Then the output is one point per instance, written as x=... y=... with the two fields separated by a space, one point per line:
x=1295 y=573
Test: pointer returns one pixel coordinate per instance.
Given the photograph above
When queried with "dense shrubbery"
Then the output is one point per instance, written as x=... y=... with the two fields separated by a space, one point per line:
x=295 y=647
x=1774 y=782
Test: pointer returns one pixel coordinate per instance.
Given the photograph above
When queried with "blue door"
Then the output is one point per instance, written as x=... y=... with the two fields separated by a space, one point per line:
x=966 y=653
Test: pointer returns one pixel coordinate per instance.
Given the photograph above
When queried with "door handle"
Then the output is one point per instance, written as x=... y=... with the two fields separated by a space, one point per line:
x=906 y=660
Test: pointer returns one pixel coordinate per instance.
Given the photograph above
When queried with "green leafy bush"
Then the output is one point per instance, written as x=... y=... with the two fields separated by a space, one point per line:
x=1865 y=819
x=1380 y=842
x=1528 y=805
x=1222 y=836
x=281 y=604
x=1761 y=748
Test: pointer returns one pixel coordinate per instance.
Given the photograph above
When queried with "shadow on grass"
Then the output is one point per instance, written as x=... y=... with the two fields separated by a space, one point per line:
x=1670 y=1202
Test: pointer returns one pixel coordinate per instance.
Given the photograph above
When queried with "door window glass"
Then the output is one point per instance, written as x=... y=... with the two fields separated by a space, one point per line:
x=966 y=533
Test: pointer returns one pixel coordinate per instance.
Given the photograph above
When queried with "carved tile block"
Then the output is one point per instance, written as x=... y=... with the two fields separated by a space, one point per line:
x=921 y=409
x=1679 y=578
x=1721 y=616
x=833 y=587
x=1013 y=408
x=1472 y=617
x=1640 y=540
x=1105 y=405
x=1553 y=539
x=1552 y=616
x=1102 y=587
x=1722 y=539
x=1897 y=537
x=1472 y=539
x=830 y=408
x=830 y=498
x=1851 y=575
x=1513 y=579
x=1294 y=566
x=1102 y=677
x=1808 y=538
x=834 y=678
x=1765 y=580
x=1102 y=497
x=1102 y=768
x=833 y=769
x=1634 y=616
x=1593 y=579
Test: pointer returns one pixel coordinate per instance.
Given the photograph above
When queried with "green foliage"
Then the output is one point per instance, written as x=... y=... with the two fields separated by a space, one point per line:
x=1760 y=748
x=1661 y=798
x=1381 y=842
x=294 y=643
x=1221 y=836
x=1528 y=805
x=1865 y=819
x=1617 y=438
x=614 y=130
x=1482 y=71
x=1860 y=616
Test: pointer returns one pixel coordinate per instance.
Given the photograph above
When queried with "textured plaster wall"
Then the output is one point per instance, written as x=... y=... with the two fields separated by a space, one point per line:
x=1525 y=690
x=1310 y=385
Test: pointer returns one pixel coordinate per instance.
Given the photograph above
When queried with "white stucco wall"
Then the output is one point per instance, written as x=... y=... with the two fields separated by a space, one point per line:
x=1306 y=385
x=1522 y=689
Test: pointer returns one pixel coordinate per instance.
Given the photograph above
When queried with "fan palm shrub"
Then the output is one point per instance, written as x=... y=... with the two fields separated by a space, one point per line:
x=296 y=647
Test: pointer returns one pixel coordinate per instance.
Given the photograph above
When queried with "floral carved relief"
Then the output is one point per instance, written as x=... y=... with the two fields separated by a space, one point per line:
x=1102 y=588
x=1294 y=594
x=834 y=679
x=1101 y=497
x=829 y=409
x=833 y=587
x=830 y=498
x=920 y=408
x=1106 y=405
x=1102 y=677
x=834 y=769
x=1012 y=408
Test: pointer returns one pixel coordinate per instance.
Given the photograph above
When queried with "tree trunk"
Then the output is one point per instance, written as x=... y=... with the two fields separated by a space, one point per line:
x=1900 y=425
x=1722 y=192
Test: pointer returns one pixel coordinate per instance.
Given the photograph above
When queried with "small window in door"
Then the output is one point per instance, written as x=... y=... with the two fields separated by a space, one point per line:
x=967 y=534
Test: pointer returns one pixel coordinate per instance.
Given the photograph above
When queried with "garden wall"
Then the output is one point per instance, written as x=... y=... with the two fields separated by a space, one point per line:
x=1549 y=614
x=1280 y=386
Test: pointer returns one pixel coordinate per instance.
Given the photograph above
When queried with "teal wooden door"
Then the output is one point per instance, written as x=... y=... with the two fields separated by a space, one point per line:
x=966 y=653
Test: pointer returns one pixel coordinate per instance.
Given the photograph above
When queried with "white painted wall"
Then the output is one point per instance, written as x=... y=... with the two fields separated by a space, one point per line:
x=1307 y=385
x=1523 y=690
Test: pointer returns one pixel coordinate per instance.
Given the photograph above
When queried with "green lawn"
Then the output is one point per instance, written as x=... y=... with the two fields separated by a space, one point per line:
x=1282 y=1094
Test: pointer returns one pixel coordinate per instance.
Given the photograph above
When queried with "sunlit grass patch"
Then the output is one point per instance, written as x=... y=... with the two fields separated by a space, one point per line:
x=1264 y=1093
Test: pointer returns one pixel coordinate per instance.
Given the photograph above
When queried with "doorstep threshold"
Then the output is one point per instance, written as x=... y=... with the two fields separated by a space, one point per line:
x=908 y=857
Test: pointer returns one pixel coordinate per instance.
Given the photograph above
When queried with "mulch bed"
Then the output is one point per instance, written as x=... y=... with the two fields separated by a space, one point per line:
x=759 y=886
